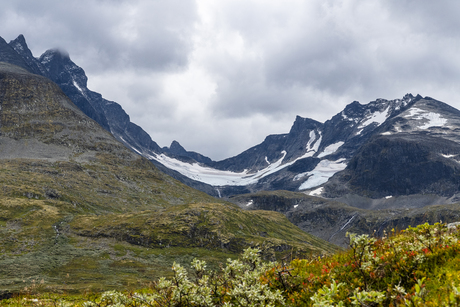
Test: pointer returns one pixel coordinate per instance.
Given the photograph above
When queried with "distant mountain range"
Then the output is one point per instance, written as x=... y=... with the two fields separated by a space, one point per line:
x=383 y=149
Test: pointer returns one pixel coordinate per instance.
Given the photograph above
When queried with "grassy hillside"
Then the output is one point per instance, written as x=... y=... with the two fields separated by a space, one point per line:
x=419 y=266
x=81 y=212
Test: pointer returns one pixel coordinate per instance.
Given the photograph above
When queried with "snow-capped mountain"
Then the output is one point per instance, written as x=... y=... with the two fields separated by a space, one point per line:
x=416 y=151
x=359 y=150
x=380 y=149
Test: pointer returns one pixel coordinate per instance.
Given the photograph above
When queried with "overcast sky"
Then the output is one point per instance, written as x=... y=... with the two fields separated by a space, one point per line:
x=220 y=75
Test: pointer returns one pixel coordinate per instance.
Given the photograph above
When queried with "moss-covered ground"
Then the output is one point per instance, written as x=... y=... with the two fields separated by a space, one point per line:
x=106 y=224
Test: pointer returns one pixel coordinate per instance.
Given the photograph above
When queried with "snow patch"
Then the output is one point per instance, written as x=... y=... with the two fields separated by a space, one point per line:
x=448 y=156
x=376 y=117
x=249 y=203
x=216 y=177
x=330 y=149
x=388 y=197
x=316 y=192
x=295 y=206
x=313 y=141
x=77 y=86
x=322 y=172
x=434 y=119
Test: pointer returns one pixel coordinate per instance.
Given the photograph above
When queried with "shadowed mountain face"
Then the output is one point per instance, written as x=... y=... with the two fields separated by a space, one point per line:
x=80 y=211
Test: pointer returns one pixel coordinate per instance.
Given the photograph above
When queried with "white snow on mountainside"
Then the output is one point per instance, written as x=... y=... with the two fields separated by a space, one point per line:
x=429 y=119
x=377 y=117
x=312 y=150
x=215 y=177
x=330 y=149
x=372 y=116
x=322 y=172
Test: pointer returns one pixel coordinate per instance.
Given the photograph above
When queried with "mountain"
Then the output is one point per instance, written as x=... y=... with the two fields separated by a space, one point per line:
x=80 y=211
x=56 y=65
x=414 y=152
x=383 y=148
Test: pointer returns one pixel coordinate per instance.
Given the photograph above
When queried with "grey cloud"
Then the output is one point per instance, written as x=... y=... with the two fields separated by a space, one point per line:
x=263 y=61
x=106 y=35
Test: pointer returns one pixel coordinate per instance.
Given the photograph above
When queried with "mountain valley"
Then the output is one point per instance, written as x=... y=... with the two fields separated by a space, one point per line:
x=79 y=210
x=87 y=193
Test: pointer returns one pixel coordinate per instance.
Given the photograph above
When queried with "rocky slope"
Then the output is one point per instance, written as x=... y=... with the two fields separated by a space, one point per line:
x=330 y=220
x=76 y=202
x=415 y=152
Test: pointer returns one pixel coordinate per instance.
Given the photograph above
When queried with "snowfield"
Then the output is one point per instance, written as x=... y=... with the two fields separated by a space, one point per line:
x=330 y=149
x=433 y=119
x=217 y=177
x=322 y=172
x=376 y=117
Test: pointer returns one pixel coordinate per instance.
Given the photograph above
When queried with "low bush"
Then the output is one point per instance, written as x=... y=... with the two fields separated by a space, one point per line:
x=418 y=267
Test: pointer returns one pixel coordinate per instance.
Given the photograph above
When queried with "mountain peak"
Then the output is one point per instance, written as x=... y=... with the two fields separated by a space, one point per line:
x=301 y=124
x=20 y=40
x=177 y=148
x=9 y=55
x=52 y=54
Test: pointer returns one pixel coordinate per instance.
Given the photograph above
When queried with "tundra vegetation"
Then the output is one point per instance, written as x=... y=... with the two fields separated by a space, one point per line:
x=418 y=266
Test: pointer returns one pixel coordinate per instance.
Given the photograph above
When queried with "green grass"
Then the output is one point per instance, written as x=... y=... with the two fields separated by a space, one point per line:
x=113 y=223
x=419 y=266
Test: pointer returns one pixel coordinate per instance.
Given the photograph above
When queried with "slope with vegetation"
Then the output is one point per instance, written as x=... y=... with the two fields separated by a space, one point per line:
x=417 y=267
x=79 y=211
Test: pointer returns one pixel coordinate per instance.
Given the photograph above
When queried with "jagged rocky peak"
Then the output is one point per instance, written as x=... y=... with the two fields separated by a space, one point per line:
x=357 y=112
x=20 y=46
x=9 y=55
x=301 y=124
x=54 y=54
x=177 y=148
x=62 y=70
